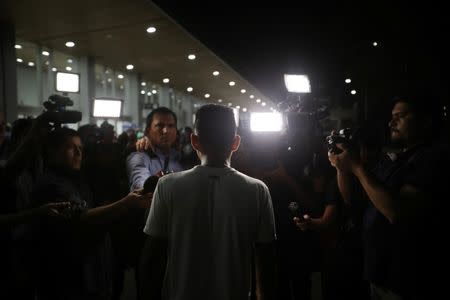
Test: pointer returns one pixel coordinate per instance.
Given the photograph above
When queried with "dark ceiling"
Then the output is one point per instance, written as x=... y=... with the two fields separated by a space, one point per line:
x=328 y=41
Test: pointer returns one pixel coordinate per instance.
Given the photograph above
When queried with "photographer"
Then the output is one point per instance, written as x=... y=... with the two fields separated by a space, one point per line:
x=401 y=191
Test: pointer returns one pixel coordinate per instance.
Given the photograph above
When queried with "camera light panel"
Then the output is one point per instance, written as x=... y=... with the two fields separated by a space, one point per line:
x=297 y=83
x=107 y=108
x=266 y=122
x=67 y=82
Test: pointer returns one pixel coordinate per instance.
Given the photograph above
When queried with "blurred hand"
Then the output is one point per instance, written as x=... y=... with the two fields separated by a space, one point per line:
x=346 y=161
x=52 y=210
x=137 y=200
x=305 y=223
x=143 y=144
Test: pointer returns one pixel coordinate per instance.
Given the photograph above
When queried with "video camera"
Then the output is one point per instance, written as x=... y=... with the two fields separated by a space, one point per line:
x=346 y=136
x=56 y=112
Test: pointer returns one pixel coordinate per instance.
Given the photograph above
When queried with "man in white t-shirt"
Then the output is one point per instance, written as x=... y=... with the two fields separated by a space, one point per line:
x=206 y=223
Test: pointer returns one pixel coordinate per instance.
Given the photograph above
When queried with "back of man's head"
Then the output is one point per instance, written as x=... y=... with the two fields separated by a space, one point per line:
x=216 y=128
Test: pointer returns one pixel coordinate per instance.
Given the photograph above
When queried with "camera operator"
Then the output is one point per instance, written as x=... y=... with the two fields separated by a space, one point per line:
x=404 y=213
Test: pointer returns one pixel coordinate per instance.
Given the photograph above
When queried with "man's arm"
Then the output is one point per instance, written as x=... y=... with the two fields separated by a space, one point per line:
x=138 y=170
x=106 y=214
x=152 y=268
x=265 y=271
x=344 y=182
x=407 y=203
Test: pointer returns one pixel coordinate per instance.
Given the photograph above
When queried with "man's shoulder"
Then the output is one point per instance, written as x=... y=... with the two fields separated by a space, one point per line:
x=137 y=155
x=250 y=180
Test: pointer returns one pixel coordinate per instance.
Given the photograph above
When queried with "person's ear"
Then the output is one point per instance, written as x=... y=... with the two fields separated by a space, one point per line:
x=236 y=143
x=195 y=142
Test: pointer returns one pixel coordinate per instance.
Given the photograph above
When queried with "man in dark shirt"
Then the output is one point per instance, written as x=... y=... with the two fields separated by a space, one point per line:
x=404 y=213
x=71 y=257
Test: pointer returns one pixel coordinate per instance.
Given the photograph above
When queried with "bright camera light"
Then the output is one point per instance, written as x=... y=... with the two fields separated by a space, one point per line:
x=348 y=80
x=45 y=53
x=19 y=60
x=130 y=67
x=207 y=95
x=266 y=122
x=243 y=91
x=151 y=29
x=69 y=69
x=17 y=46
x=189 y=89
x=219 y=100
x=216 y=73
x=154 y=91
x=297 y=83
x=251 y=96
x=244 y=109
x=166 y=80
x=107 y=108
x=232 y=83
x=67 y=82
x=142 y=92
x=54 y=69
x=191 y=56
x=353 y=92
x=143 y=83
x=70 y=44
x=258 y=100
x=120 y=76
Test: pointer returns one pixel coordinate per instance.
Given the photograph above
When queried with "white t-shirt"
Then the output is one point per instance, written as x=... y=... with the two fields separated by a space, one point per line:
x=211 y=217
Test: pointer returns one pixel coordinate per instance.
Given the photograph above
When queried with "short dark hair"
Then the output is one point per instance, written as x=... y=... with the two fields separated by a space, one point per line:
x=160 y=110
x=425 y=106
x=56 y=139
x=215 y=126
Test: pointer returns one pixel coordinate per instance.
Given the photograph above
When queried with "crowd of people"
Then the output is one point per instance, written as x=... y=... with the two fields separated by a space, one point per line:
x=204 y=212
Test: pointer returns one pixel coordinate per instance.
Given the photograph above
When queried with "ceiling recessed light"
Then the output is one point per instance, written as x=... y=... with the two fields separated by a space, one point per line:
x=70 y=61
x=243 y=91
x=31 y=64
x=45 y=53
x=207 y=95
x=143 y=83
x=166 y=80
x=353 y=92
x=68 y=68
x=19 y=60
x=17 y=46
x=263 y=104
x=151 y=29
x=189 y=89
x=142 y=92
x=191 y=56
x=375 y=44
x=258 y=100
x=219 y=100
x=54 y=69
x=154 y=91
x=120 y=76
x=130 y=67
x=70 y=44
x=244 y=109
x=348 y=80
x=216 y=73
x=232 y=83
x=251 y=96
